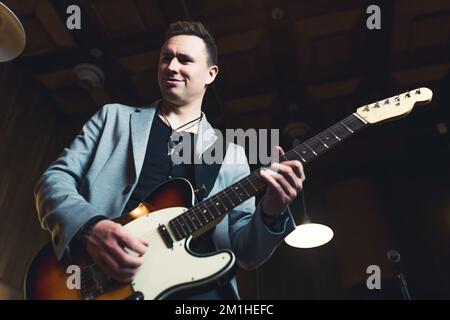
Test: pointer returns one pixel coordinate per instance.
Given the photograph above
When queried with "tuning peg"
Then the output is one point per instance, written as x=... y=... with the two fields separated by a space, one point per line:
x=387 y=101
x=418 y=91
x=377 y=105
x=367 y=108
x=408 y=94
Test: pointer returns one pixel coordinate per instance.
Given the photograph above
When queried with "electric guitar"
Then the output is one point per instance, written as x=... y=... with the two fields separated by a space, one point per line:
x=169 y=220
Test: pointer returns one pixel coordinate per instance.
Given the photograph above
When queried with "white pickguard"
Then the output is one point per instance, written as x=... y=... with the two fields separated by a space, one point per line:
x=164 y=268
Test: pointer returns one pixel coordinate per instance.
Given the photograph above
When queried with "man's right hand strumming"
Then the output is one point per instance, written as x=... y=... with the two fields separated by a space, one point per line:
x=106 y=246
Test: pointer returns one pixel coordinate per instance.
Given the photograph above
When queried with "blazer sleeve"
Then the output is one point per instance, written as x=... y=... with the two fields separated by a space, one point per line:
x=251 y=240
x=61 y=208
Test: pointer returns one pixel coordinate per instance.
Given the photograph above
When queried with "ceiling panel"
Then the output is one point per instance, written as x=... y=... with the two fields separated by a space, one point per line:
x=119 y=17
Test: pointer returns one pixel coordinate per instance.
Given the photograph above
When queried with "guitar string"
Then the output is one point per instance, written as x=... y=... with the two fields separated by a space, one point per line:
x=194 y=211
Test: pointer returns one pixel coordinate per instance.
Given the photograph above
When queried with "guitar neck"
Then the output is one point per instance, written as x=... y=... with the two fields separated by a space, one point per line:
x=221 y=203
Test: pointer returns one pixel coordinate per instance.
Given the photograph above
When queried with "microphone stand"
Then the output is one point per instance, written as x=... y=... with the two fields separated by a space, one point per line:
x=404 y=287
x=394 y=258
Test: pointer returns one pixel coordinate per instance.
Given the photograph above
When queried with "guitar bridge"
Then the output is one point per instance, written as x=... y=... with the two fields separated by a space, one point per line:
x=92 y=282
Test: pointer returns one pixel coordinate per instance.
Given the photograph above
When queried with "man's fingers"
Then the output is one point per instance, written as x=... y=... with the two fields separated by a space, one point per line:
x=297 y=167
x=132 y=243
x=277 y=153
x=279 y=150
x=123 y=258
x=144 y=242
x=268 y=177
x=277 y=182
x=290 y=171
x=286 y=184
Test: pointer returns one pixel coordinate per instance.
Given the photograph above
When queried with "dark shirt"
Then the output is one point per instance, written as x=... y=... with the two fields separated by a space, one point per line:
x=157 y=166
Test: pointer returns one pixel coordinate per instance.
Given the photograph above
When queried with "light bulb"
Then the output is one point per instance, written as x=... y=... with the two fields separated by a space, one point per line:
x=309 y=235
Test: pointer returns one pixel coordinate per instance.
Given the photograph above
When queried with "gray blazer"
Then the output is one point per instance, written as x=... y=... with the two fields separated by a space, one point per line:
x=97 y=173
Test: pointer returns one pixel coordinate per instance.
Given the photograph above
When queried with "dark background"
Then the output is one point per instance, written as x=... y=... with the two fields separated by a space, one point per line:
x=298 y=66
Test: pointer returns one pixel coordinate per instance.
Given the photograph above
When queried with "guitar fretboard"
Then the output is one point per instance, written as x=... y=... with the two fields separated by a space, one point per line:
x=221 y=203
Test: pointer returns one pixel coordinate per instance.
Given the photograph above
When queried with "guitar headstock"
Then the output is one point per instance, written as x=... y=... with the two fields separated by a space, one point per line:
x=394 y=107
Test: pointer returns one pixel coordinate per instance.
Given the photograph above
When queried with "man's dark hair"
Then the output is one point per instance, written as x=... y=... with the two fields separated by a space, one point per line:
x=194 y=28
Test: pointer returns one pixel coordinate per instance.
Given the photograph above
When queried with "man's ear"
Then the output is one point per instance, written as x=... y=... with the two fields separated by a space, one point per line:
x=212 y=73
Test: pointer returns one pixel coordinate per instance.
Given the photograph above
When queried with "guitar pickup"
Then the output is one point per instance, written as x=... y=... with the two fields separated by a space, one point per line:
x=165 y=235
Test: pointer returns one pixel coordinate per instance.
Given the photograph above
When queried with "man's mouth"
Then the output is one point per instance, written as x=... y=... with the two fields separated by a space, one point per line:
x=173 y=81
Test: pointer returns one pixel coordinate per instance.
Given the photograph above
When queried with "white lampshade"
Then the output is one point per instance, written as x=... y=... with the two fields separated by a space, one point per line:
x=12 y=35
x=309 y=235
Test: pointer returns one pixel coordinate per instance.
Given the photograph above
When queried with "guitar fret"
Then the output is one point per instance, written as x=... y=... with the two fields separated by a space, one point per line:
x=248 y=179
x=226 y=196
x=207 y=220
x=242 y=188
x=190 y=221
x=234 y=196
x=317 y=146
x=192 y=217
x=183 y=232
x=258 y=182
x=310 y=149
x=184 y=224
x=241 y=193
x=357 y=122
x=303 y=159
x=174 y=228
x=346 y=127
x=237 y=194
x=189 y=224
x=304 y=152
x=213 y=203
x=342 y=131
x=219 y=203
x=339 y=139
x=330 y=141
x=210 y=213
x=326 y=146
x=222 y=199
x=199 y=214
x=205 y=210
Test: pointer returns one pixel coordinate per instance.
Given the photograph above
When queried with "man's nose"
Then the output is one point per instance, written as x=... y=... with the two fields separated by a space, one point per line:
x=173 y=65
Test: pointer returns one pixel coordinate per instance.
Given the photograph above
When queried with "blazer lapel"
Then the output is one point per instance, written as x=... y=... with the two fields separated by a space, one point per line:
x=205 y=138
x=205 y=174
x=140 y=124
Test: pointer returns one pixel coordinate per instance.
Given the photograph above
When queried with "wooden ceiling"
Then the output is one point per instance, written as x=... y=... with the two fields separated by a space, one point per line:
x=300 y=57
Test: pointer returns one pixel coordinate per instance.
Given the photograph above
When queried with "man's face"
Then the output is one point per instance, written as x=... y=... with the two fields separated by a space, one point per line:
x=183 y=71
